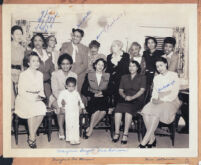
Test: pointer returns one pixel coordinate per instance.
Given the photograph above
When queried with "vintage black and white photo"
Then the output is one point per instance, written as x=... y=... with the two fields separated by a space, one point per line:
x=100 y=80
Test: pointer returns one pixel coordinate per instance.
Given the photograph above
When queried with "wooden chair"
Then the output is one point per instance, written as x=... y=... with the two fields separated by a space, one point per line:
x=45 y=128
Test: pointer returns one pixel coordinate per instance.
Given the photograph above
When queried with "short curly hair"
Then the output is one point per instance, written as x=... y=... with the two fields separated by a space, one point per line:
x=150 y=38
x=27 y=58
x=96 y=62
x=137 y=64
x=16 y=27
x=63 y=57
x=41 y=36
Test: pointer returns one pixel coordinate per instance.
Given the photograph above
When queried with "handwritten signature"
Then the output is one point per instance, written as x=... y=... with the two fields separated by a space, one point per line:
x=109 y=25
x=84 y=19
x=46 y=20
x=93 y=151
x=166 y=86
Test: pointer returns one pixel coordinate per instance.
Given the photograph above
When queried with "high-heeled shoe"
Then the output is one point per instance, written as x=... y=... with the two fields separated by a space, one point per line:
x=152 y=145
x=124 y=141
x=32 y=143
x=61 y=137
x=141 y=146
x=117 y=139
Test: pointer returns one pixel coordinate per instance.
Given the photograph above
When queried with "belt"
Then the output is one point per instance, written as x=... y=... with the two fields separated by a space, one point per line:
x=149 y=71
x=16 y=67
x=47 y=81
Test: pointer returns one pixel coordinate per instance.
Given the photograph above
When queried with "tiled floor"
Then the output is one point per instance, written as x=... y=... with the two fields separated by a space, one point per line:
x=100 y=139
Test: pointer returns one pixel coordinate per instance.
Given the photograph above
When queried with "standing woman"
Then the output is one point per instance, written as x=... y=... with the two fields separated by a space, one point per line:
x=79 y=54
x=117 y=65
x=164 y=102
x=17 y=55
x=46 y=64
x=135 y=55
x=150 y=55
x=97 y=88
x=131 y=90
x=51 y=42
x=29 y=103
x=58 y=81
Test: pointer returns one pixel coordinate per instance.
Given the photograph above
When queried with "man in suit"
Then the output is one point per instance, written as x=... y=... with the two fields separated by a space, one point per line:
x=79 y=54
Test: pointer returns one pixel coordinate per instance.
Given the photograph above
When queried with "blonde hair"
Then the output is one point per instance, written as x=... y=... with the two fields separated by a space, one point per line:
x=118 y=43
x=134 y=44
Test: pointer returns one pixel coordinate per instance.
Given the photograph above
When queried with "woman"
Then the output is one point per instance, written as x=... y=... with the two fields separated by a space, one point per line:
x=172 y=58
x=79 y=54
x=46 y=65
x=97 y=88
x=93 y=54
x=29 y=103
x=131 y=89
x=58 y=81
x=134 y=53
x=51 y=41
x=17 y=55
x=164 y=102
x=150 y=55
x=117 y=65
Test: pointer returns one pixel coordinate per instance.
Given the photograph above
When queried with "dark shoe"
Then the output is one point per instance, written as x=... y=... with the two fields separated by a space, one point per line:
x=141 y=146
x=116 y=140
x=124 y=141
x=152 y=145
x=184 y=130
x=85 y=136
x=32 y=144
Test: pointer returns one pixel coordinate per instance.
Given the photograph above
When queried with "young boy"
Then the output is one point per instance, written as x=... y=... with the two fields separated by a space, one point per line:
x=70 y=102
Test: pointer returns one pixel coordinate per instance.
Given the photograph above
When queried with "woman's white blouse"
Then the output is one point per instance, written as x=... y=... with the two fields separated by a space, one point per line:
x=166 y=87
x=98 y=77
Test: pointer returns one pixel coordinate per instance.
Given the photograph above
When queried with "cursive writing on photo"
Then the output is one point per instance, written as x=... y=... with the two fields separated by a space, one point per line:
x=46 y=20
x=109 y=25
x=84 y=19
x=166 y=86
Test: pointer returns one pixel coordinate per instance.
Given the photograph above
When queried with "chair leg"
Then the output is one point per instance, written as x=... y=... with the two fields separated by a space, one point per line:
x=111 y=126
x=16 y=126
x=139 y=128
x=49 y=120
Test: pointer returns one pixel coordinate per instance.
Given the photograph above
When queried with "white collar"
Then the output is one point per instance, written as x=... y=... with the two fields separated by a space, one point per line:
x=45 y=55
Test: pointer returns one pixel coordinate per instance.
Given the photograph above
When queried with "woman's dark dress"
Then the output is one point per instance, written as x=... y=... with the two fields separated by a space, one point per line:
x=150 y=60
x=116 y=72
x=131 y=87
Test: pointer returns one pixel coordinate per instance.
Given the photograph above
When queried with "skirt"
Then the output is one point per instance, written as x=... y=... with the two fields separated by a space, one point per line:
x=131 y=108
x=95 y=104
x=164 y=111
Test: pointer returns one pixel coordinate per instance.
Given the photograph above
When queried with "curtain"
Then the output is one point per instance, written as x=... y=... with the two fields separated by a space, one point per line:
x=179 y=35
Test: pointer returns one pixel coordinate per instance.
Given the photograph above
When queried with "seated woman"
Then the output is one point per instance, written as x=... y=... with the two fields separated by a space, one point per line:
x=28 y=103
x=172 y=58
x=164 y=102
x=46 y=65
x=58 y=81
x=96 y=87
x=131 y=89
x=93 y=54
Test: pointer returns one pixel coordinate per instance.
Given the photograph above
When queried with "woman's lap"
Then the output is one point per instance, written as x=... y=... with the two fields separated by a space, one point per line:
x=164 y=111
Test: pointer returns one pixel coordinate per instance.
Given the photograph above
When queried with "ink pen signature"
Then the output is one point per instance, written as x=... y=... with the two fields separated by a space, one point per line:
x=109 y=25
x=84 y=18
x=166 y=86
x=46 y=20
